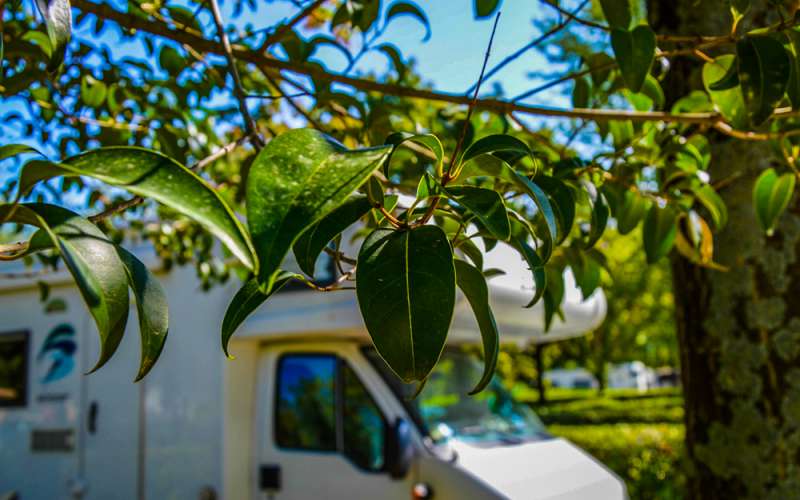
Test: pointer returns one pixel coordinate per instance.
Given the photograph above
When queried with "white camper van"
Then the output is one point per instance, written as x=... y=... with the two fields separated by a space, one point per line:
x=307 y=410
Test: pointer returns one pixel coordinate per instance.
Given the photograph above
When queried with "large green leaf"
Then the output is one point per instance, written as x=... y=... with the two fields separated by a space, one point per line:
x=314 y=239
x=536 y=265
x=428 y=141
x=298 y=178
x=563 y=203
x=246 y=300
x=728 y=100
x=600 y=213
x=635 y=52
x=472 y=282
x=152 y=309
x=57 y=16
x=150 y=174
x=406 y=291
x=490 y=165
x=659 y=232
x=771 y=196
x=764 y=71
x=504 y=146
x=618 y=13
x=487 y=205
x=92 y=260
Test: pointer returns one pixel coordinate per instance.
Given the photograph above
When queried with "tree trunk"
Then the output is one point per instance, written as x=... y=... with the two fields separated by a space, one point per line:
x=739 y=331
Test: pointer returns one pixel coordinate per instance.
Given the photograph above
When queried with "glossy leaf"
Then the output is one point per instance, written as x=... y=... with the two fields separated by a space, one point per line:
x=406 y=292
x=429 y=141
x=659 y=232
x=500 y=145
x=487 y=205
x=727 y=81
x=57 y=15
x=729 y=102
x=486 y=8
x=152 y=309
x=563 y=203
x=10 y=150
x=246 y=300
x=771 y=196
x=764 y=71
x=470 y=249
x=630 y=211
x=298 y=178
x=618 y=13
x=91 y=259
x=536 y=265
x=314 y=239
x=150 y=174
x=403 y=8
x=709 y=198
x=635 y=52
x=472 y=282
x=600 y=213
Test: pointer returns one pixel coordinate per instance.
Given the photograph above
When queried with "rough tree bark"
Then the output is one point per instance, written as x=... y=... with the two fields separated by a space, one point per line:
x=739 y=331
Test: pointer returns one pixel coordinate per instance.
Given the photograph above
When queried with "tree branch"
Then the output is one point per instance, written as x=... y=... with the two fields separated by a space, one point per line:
x=238 y=90
x=269 y=63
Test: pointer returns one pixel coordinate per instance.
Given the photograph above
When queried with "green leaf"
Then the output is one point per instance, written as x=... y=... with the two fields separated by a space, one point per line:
x=471 y=250
x=93 y=92
x=730 y=102
x=659 y=232
x=652 y=89
x=490 y=165
x=635 y=52
x=10 y=150
x=428 y=141
x=151 y=306
x=487 y=205
x=771 y=196
x=485 y=8
x=502 y=146
x=793 y=49
x=600 y=213
x=428 y=187
x=36 y=171
x=472 y=282
x=246 y=300
x=563 y=203
x=152 y=175
x=738 y=9
x=728 y=81
x=406 y=292
x=57 y=16
x=630 y=211
x=764 y=70
x=618 y=13
x=91 y=259
x=536 y=265
x=581 y=93
x=709 y=198
x=401 y=8
x=297 y=179
x=314 y=239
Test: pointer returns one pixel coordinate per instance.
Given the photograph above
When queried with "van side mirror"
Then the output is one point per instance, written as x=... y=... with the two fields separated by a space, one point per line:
x=399 y=450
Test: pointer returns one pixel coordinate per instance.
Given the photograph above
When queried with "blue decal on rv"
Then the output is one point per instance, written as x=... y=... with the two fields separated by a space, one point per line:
x=58 y=349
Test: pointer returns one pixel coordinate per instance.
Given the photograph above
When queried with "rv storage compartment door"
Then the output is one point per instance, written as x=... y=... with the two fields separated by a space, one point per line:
x=323 y=433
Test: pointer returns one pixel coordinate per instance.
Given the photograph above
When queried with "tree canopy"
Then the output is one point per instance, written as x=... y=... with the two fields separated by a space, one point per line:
x=187 y=141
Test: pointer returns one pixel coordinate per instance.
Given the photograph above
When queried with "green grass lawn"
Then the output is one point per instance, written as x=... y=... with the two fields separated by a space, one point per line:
x=638 y=436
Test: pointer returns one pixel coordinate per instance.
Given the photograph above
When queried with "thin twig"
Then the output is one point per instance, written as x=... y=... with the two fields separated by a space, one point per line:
x=285 y=28
x=238 y=90
x=531 y=45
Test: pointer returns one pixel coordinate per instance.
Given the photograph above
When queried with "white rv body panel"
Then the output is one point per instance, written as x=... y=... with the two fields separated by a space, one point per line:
x=201 y=424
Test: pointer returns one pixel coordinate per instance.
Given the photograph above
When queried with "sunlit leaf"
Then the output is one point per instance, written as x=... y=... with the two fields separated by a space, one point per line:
x=771 y=196
x=729 y=102
x=298 y=178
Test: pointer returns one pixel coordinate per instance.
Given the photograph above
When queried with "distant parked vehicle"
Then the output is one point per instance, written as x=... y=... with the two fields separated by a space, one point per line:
x=571 y=378
x=631 y=375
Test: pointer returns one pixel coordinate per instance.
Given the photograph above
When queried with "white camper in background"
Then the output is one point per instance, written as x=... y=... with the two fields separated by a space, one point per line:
x=306 y=410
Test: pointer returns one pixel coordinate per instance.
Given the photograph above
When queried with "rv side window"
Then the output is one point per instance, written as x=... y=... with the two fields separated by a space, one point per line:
x=321 y=405
x=13 y=369
x=305 y=406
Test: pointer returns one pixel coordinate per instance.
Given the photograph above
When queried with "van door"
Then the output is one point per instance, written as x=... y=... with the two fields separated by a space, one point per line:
x=323 y=431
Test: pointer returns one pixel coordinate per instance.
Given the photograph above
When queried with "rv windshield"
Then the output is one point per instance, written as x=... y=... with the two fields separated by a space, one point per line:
x=445 y=410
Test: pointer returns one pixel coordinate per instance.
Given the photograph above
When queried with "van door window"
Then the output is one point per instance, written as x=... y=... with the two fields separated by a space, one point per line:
x=364 y=427
x=306 y=418
x=322 y=405
x=13 y=369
